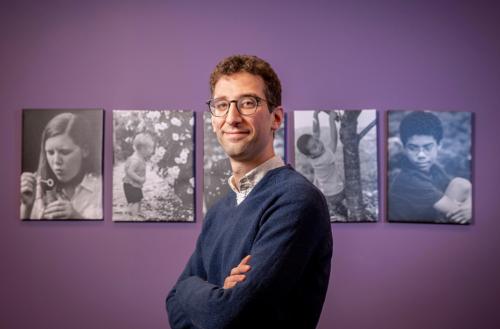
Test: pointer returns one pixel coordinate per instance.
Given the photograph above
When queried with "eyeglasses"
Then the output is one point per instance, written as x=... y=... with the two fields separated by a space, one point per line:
x=246 y=105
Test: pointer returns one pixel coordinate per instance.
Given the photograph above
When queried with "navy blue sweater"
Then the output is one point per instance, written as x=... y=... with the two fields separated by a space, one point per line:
x=284 y=224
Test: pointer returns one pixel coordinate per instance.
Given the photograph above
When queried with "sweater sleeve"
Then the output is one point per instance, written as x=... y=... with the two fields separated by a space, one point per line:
x=291 y=231
x=177 y=317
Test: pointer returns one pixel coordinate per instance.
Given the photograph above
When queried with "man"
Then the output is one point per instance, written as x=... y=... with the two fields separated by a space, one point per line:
x=263 y=257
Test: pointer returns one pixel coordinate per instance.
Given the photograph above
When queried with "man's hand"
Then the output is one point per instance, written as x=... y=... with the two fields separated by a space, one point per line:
x=236 y=276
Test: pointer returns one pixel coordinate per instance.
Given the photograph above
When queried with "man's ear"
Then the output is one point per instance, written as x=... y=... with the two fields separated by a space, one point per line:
x=278 y=115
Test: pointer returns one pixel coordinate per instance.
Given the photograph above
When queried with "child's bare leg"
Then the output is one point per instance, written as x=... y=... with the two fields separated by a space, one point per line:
x=139 y=208
x=134 y=209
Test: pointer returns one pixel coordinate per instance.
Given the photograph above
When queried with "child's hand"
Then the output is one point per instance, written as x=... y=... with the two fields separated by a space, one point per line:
x=59 y=209
x=462 y=214
x=28 y=188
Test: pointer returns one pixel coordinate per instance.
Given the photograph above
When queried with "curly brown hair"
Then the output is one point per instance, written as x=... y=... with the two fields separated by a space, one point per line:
x=253 y=65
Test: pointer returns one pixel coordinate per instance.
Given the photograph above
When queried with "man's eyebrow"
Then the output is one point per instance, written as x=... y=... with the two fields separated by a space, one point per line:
x=239 y=96
x=249 y=94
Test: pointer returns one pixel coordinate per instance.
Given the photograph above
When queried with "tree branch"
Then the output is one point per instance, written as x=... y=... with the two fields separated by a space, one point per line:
x=367 y=129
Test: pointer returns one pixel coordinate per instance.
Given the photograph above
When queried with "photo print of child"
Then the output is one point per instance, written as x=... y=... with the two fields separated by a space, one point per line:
x=429 y=167
x=62 y=165
x=322 y=139
x=135 y=172
x=153 y=170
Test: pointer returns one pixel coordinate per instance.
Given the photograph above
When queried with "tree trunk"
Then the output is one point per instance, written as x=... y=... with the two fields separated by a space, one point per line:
x=350 y=140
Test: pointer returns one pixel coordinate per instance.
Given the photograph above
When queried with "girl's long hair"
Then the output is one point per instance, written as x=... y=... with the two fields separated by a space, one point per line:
x=78 y=128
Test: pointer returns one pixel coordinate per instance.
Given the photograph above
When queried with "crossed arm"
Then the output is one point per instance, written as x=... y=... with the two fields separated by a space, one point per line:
x=279 y=256
x=456 y=202
x=237 y=273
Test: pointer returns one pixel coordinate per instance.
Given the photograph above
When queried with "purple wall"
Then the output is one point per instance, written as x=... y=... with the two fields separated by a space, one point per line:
x=329 y=54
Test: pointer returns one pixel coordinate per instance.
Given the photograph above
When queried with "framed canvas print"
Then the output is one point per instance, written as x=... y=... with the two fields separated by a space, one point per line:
x=153 y=167
x=429 y=167
x=216 y=165
x=337 y=151
x=61 y=174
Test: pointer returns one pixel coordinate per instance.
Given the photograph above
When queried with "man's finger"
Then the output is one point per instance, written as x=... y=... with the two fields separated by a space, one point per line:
x=232 y=280
x=236 y=278
x=240 y=269
x=245 y=260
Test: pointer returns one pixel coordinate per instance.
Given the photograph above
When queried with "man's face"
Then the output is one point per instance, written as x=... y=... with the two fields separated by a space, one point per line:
x=245 y=138
x=422 y=151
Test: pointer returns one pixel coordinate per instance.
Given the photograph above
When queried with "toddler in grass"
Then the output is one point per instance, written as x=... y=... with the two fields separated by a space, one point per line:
x=135 y=172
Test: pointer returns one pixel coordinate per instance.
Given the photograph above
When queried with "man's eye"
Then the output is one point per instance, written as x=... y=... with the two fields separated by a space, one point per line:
x=220 y=106
x=50 y=152
x=248 y=103
x=65 y=152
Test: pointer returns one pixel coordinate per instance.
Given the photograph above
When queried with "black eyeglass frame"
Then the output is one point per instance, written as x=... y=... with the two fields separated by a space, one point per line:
x=235 y=101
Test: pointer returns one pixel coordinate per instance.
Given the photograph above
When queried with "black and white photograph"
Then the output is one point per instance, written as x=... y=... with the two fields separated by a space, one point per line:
x=337 y=151
x=153 y=166
x=429 y=167
x=61 y=174
x=217 y=168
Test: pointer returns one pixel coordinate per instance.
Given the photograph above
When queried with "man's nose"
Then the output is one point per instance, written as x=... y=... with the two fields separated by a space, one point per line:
x=233 y=115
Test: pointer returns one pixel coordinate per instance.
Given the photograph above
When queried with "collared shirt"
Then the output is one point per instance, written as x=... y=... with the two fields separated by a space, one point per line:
x=251 y=178
x=87 y=199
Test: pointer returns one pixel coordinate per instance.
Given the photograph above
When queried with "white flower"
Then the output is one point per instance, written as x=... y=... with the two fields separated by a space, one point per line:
x=191 y=121
x=172 y=174
x=175 y=136
x=182 y=158
x=153 y=115
x=174 y=171
x=161 y=151
x=160 y=126
x=176 y=122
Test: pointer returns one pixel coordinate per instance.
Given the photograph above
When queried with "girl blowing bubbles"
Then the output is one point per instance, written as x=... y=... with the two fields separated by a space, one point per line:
x=67 y=184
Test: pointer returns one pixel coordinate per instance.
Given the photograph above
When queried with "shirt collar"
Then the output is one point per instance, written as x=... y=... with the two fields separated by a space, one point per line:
x=251 y=178
x=88 y=183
